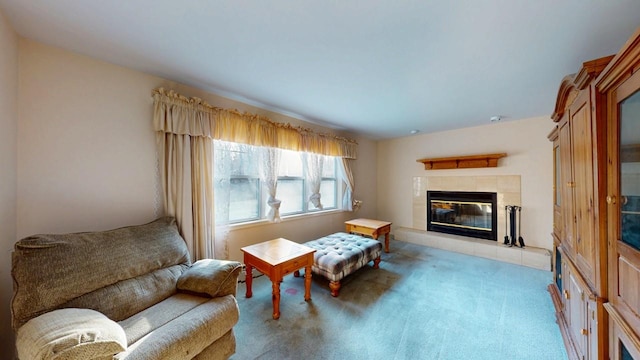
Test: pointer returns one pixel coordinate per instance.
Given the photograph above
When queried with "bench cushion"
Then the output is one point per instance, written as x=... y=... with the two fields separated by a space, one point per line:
x=341 y=254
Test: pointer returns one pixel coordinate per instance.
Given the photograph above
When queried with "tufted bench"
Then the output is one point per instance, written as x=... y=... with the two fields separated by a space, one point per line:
x=340 y=254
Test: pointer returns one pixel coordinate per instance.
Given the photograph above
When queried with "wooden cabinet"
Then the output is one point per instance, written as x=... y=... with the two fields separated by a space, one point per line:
x=620 y=84
x=578 y=214
x=596 y=291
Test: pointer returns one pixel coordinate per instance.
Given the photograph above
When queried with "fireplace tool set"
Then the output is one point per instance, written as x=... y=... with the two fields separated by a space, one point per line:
x=510 y=225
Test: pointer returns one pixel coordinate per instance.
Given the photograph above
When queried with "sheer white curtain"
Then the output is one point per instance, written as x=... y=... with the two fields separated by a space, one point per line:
x=314 y=175
x=222 y=189
x=269 y=166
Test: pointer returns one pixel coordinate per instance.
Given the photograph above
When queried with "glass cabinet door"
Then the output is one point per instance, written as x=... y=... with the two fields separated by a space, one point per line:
x=629 y=112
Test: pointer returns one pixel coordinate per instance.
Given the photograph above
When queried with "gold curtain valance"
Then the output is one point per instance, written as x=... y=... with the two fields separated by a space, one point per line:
x=195 y=117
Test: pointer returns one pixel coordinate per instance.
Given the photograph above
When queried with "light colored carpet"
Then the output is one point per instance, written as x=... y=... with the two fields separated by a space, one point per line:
x=422 y=303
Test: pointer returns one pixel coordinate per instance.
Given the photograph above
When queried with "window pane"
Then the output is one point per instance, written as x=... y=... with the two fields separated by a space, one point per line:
x=329 y=167
x=630 y=171
x=290 y=192
x=243 y=199
x=236 y=159
x=290 y=164
x=624 y=353
x=328 y=194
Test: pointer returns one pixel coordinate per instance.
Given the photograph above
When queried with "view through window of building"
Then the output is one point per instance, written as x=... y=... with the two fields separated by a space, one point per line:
x=240 y=194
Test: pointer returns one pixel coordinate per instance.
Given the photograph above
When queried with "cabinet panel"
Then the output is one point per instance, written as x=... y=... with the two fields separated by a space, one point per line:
x=577 y=314
x=566 y=286
x=629 y=288
x=593 y=308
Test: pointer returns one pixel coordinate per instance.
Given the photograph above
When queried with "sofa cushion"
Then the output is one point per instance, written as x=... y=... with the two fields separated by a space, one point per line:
x=144 y=322
x=127 y=297
x=51 y=270
x=70 y=334
x=211 y=277
x=176 y=329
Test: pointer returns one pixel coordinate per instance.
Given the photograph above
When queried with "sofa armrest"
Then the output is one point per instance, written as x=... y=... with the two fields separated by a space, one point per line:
x=70 y=333
x=211 y=277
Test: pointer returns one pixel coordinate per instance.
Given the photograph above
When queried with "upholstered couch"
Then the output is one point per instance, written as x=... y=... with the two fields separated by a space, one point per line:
x=128 y=293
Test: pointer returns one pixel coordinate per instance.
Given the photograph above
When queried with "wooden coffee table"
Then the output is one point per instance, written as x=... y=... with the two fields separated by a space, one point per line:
x=373 y=228
x=277 y=258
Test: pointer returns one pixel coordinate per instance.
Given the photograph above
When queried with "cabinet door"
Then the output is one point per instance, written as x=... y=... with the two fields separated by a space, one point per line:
x=558 y=224
x=624 y=200
x=566 y=274
x=577 y=314
x=566 y=176
x=582 y=143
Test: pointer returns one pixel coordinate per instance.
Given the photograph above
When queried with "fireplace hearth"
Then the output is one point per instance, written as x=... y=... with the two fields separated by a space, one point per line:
x=465 y=213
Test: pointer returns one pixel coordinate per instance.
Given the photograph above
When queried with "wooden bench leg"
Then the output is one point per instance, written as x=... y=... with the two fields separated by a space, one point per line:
x=376 y=262
x=335 y=288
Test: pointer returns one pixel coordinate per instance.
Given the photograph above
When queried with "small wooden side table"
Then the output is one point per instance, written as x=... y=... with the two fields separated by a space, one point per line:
x=373 y=228
x=277 y=258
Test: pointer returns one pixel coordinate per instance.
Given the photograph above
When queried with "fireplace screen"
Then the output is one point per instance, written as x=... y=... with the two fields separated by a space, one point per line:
x=470 y=214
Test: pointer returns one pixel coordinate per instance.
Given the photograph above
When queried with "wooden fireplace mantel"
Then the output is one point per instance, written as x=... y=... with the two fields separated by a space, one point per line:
x=462 y=162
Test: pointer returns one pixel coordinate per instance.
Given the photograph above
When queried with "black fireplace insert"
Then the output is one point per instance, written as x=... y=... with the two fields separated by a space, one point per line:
x=472 y=214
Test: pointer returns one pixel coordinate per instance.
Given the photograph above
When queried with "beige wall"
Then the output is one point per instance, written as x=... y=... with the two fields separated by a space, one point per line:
x=529 y=155
x=8 y=156
x=87 y=157
x=86 y=149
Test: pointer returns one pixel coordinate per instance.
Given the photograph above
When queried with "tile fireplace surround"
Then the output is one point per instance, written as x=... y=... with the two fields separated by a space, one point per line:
x=507 y=188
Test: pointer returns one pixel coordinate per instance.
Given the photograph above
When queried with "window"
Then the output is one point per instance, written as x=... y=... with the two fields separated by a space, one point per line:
x=240 y=194
x=291 y=183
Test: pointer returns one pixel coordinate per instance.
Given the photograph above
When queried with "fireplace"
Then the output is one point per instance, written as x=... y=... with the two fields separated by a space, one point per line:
x=472 y=214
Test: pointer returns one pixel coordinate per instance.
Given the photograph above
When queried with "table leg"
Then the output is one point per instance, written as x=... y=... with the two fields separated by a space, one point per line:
x=276 y=299
x=307 y=283
x=386 y=242
x=249 y=279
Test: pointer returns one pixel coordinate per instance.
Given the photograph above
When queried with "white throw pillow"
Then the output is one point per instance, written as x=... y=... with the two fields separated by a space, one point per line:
x=70 y=334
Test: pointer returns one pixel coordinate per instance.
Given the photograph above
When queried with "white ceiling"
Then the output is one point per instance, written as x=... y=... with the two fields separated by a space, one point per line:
x=377 y=67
